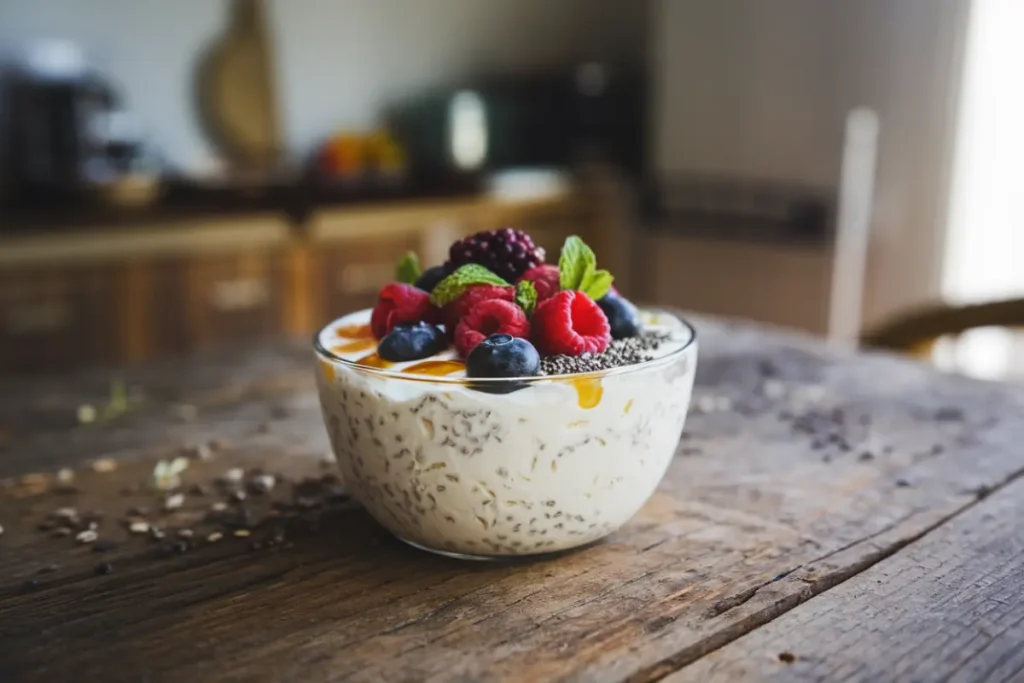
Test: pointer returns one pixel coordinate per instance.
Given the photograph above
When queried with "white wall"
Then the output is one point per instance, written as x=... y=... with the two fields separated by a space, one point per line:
x=337 y=60
x=760 y=88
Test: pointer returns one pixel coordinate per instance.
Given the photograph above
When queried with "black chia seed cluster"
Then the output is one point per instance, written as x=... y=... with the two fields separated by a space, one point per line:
x=620 y=352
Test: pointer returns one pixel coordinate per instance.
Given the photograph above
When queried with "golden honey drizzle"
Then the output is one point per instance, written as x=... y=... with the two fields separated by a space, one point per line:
x=327 y=368
x=354 y=331
x=374 y=361
x=437 y=368
x=588 y=392
x=357 y=345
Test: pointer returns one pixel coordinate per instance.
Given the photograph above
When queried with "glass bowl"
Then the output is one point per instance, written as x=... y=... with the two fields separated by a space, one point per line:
x=499 y=468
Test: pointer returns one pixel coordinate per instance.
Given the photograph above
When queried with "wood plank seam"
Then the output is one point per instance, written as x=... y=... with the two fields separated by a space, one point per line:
x=814 y=587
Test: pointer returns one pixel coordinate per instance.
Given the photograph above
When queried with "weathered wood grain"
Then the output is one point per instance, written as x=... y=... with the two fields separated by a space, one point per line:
x=948 y=607
x=801 y=468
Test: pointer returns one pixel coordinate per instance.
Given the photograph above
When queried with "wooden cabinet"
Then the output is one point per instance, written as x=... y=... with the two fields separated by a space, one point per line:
x=86 y=299
x=56 y=318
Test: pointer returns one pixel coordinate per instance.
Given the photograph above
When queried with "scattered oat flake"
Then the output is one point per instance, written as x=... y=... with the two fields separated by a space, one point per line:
x=235 y=474
x=66 y=513
x=1 y=529
x=104 y=465
x=167 y=474
x=185 y=533
x=219 y=507
x=242 y=533
x=86 y=414
x=62 y=531
x=214 y=537
x=139 y=527
x=87 y=536
x=174 y=501
x=65 y=475
x=156 y=534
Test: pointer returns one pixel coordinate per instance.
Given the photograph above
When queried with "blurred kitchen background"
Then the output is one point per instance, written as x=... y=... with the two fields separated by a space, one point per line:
x=187 y=175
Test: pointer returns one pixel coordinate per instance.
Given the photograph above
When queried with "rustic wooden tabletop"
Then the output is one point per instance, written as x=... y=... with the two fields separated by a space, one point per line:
x=829 y=516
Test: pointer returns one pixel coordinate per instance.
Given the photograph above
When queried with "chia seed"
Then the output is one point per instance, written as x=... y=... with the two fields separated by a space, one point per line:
x=104 y=568
x=620 y=352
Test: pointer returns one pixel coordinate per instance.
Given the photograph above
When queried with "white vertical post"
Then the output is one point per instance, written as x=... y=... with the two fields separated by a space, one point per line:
x=853 y=226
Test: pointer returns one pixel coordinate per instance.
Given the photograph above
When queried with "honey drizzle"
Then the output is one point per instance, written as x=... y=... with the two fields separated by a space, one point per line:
x=354 y=331
x=374 y=361
x=588 y=392
x=436 y=368
x=327 y=368
x=357 y=345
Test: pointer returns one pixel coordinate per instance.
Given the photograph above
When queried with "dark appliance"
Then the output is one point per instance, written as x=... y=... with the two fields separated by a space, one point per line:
x=591 y=113
x=56 y=129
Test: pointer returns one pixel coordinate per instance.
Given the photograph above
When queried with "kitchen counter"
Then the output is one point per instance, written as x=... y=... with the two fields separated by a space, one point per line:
x=829 y=515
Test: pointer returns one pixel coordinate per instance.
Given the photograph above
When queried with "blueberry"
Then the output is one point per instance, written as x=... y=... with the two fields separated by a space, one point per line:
x=411 y=341
x=622 y=316
x=502 y=355
x=429 y=278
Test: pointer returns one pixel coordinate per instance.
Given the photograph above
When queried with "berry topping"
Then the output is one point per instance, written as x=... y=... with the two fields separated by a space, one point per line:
x=623 y=317
x=508 y=253
x=411 y=341
x=502 y=355
x=429 y=278
x=493 y=316
x=398 y=303
x=458 y=309
x=544 y=278
x=570 y=323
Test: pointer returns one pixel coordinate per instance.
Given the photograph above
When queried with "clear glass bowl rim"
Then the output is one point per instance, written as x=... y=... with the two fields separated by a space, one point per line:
x=497 y=382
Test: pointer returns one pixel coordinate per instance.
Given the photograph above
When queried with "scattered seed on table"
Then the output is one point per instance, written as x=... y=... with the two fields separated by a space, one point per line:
x=242 y=533
x=61 y=532
x=139 y=527
x=238 y=496
x=262 y=483
x=156 y=534
x=104 y=465
x=234 y=475
x=104 y=568
x=214 y=537
x=219 y=506
x=185 y=533
x=69 y=514
x=174 y=501
x=65 y=475
x=103 y=546
x=46 y=526
x=1 y=529
x=87 y=536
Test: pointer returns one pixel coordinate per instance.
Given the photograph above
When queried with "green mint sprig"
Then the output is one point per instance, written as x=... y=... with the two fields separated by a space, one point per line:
x=577 y=269
x=526 y=296
x=451 y=287
x=408 y=270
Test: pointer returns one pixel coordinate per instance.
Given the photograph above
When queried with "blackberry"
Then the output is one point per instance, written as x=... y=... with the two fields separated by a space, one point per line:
x=507 y=253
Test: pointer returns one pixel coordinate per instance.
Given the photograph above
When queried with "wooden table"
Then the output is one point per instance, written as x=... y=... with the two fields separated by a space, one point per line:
x=829 y=516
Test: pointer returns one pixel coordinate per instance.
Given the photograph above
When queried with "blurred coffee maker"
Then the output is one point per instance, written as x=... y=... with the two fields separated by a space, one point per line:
x=58 y=137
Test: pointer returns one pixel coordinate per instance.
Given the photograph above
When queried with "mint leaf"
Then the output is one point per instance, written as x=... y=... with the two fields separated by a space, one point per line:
x=452 y=287
x=574 y=263
x=526 y=296
x=408 y=268
x=597 y=284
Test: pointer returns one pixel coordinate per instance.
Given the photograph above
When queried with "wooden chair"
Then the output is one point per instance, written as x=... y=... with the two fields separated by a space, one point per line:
x=917 y=331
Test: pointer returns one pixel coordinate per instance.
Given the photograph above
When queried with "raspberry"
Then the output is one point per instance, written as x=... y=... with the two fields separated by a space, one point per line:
x=508 y=253
x=545 y=278
x=399 y=303
x=493 y=316
x=457 y=310
x=570 y=323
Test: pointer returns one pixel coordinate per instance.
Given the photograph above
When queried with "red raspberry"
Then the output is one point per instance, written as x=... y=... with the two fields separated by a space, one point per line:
x=544 y=278
x=457 y=310
x=570 y=323
x=399 y=303
x=492 y=316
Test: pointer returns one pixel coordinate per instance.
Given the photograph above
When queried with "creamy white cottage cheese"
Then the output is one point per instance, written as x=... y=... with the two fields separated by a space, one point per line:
x=555 y=464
